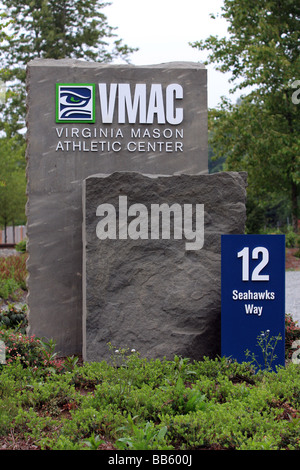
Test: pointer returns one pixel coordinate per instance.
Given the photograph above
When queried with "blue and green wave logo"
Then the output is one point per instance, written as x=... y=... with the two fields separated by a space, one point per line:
x=75 y=102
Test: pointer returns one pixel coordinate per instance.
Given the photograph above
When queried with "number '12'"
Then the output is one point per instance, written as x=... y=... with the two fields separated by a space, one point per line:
x=256 y=276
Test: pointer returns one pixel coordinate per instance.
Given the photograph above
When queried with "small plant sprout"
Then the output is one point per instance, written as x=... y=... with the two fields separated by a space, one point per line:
x=144 y=438
x=93 y=442
x=267 y=345
x=125 y=361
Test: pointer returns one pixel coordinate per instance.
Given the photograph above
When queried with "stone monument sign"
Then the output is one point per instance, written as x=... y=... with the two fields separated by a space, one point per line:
x=152 y=261
x=87 y=118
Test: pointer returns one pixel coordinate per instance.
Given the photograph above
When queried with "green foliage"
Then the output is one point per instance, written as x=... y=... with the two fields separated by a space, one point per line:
x=12 y=181
x=9 y=288
x=292 y=239
x=136 y=404
x=259 y=134
x=292 y=334
x=256 y=215
x=222 y=405
x=267 y=345
x=14 y=318
x=76 y=29
x=260 y=32
x=13 y=275
x=93 y=442
x=149 y=437
x=21 y=247
x=56 y=30
x=19 y=347
x=49 y=29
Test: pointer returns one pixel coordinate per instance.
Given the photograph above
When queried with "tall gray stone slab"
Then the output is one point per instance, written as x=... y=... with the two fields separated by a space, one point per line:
x=154 y=295
x=60 y=155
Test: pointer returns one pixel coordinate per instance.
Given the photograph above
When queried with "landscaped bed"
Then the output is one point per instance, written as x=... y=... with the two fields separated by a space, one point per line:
x=50 y=403
x=133 y=403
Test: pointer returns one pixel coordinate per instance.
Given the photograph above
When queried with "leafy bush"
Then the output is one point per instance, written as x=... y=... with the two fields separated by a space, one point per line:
x=29 y=351
x=291 y=239
x=134 y=403
x=14 y=318
x=9 y=288
x=21 y=246
x=13 y=273
x=149 y=437
x=172 y=405
x=292 y=333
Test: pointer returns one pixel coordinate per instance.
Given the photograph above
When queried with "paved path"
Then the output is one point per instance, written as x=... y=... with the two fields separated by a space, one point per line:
x=7 y=252
x=292 y=294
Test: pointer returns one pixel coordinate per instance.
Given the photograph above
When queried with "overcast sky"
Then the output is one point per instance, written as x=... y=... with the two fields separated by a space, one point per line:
x=162 y=30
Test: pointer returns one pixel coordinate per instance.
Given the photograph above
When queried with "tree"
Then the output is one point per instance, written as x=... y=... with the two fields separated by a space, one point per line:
x=53 y=29
x=260 y=134
x=12 y=182
x=32 y=29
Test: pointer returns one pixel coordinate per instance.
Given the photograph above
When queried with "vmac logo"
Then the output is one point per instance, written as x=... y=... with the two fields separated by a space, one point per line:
x=75 y=102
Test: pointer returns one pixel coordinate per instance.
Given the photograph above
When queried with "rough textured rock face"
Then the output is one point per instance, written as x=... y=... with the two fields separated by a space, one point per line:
x=154 y=295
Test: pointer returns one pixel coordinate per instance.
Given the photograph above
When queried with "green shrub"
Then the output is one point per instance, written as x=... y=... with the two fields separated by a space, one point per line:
x=290 y=239
x=28 y=351
x=53 y=396
x=145 y=438
x=134 y=403
x=292 y=333
x=13 y=274
x=212 y=404
x=9 y=288
x=8 y=411
x=14 y=318
x=21 y=247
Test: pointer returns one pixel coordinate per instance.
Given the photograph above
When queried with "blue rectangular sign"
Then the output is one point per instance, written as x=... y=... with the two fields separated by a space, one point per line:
x=253 y=299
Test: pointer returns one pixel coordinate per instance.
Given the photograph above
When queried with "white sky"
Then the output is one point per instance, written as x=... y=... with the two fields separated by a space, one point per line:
x=162 y=30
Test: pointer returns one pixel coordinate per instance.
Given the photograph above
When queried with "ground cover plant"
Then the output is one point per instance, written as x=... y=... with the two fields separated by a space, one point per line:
x=53 y=403
x=13 y=276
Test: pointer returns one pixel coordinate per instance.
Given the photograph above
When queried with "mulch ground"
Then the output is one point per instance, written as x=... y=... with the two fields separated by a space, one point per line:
x=291 y=261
